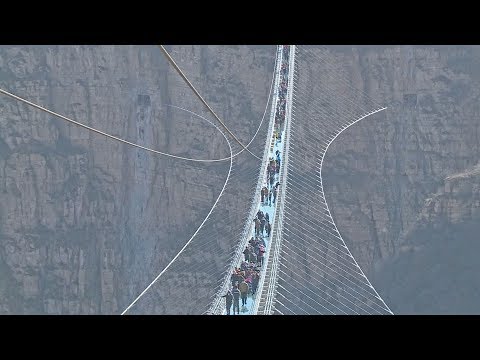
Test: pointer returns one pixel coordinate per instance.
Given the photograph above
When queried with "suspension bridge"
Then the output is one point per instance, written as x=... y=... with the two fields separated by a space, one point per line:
x=307 y=267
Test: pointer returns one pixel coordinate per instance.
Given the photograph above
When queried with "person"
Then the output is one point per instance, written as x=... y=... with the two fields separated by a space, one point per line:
x=257 y=226
x=246 y=252
x=267 y=217
x=228 y=300
x=260 y=215
x=272 y=178
x=243 y=287
x=262 y=242
x=243 y=265
x=260 y=254
x=253 y=258
x=268 y=228
x=236 y=299
x=262 y=225
x=248 y=280
x=264 y=194
x=240 y=277
x=255 y=279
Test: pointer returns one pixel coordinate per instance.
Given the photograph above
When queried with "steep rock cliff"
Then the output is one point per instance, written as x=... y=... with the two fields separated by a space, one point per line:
x=436 y=268
x=381 y=172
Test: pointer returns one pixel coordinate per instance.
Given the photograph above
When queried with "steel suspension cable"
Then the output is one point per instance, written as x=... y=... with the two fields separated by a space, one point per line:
x=170 y=59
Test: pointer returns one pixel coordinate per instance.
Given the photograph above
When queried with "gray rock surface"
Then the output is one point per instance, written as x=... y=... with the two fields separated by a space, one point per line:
x=86 y=223
x=385 y=176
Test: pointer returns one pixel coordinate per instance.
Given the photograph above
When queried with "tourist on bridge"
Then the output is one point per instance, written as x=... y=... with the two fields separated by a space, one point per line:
x=264 y=194
x=261 y=251
x=253 y=257
x=243 y=287
x=260 y=215
x=240 y=276
x=272 y=179
x=228 y=300
x=246 y=252
x=243 y=265
x=249 y=278
x=255 y=278
x=268 y=229
x=236 y=299
x=275 y=189
x=257 y=226
x=237 y=276
x=262 y=225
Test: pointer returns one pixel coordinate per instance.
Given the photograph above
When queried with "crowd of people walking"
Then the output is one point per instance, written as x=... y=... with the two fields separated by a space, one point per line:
x=245 y=277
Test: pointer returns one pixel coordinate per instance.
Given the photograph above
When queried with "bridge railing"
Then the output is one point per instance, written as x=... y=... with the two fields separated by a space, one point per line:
x=217 y=306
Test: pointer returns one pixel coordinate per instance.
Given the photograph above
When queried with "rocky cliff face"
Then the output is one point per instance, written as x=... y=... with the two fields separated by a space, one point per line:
x=85 y=222
x=385 y=176
x=436 y=268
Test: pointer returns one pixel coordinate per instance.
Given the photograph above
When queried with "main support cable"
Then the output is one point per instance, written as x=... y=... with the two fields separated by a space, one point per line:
x=4 y=92
x=170 y=59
